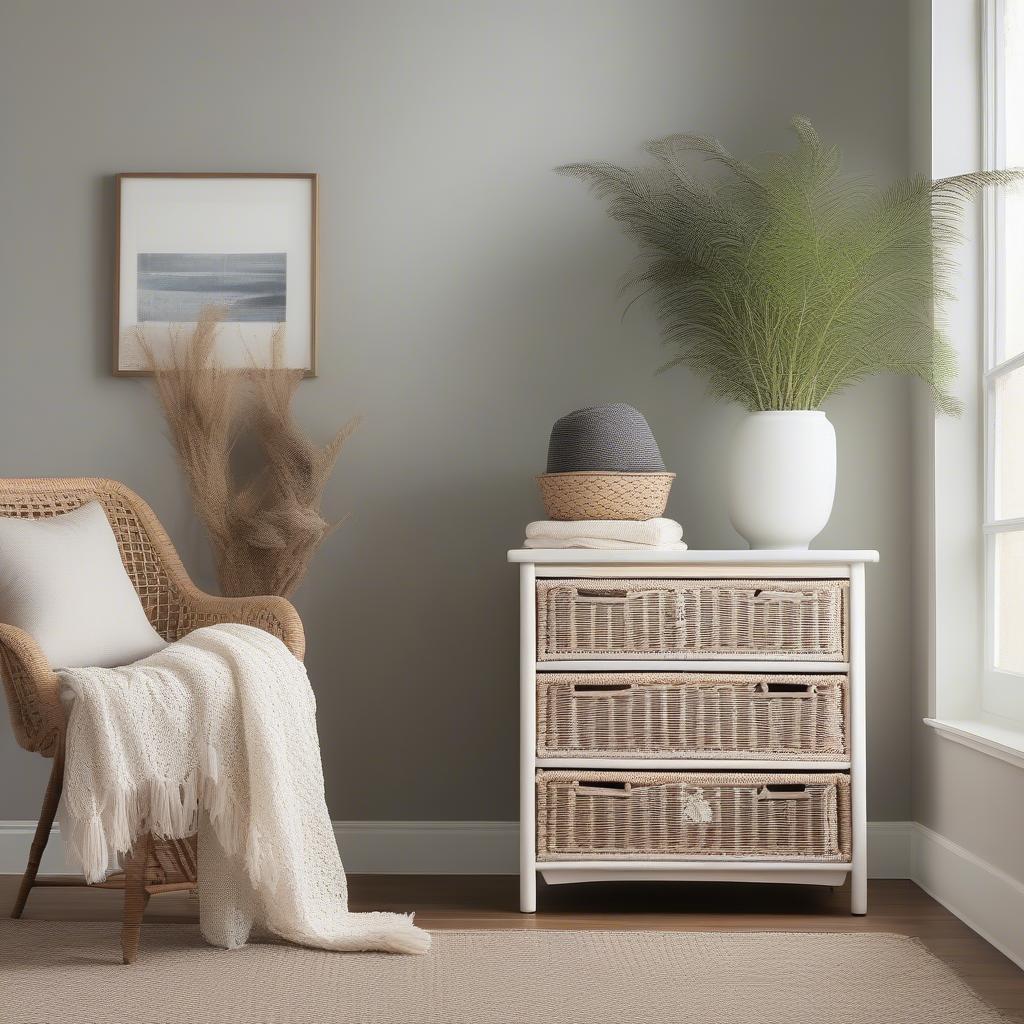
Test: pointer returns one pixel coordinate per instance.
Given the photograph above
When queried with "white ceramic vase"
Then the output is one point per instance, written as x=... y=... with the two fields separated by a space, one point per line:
x=782 y=478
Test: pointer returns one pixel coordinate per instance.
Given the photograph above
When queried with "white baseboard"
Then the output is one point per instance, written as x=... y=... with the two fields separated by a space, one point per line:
x=984 y=897
x=889 y=844
x=429 y=847
x=441 y=848
x=15 y=841
x=368 y=847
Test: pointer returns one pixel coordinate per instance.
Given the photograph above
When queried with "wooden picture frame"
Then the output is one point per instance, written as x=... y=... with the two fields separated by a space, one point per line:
x=244 y=241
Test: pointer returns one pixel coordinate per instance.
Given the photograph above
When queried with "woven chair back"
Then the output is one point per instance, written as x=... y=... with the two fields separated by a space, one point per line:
x=149 y=558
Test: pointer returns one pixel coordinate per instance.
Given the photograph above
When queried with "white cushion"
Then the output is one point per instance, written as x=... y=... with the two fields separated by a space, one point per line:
x=62 y=581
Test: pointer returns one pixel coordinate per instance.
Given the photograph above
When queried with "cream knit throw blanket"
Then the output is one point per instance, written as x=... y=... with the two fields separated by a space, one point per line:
x=217 y=732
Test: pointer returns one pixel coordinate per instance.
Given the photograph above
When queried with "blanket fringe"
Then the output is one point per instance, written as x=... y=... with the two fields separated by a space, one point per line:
x=167 y=808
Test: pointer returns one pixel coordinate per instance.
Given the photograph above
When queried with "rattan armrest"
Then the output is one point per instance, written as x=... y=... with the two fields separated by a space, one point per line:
x=33 y=694
x=274 y=614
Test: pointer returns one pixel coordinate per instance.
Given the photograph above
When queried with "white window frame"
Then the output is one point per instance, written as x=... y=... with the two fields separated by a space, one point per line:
x=1002 y=692
x=953 y=76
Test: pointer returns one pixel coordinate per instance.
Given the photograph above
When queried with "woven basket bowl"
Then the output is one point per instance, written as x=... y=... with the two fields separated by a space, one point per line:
x=594 y=495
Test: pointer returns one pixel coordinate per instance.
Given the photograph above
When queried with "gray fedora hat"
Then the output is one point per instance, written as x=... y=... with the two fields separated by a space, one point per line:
x=614 y=438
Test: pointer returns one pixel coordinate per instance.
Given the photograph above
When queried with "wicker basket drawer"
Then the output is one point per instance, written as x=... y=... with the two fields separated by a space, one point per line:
x=776 y=619
x=692 y=815
x=691 y=714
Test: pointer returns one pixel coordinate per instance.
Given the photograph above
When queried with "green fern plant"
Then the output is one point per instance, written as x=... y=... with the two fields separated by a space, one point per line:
x=784 y=281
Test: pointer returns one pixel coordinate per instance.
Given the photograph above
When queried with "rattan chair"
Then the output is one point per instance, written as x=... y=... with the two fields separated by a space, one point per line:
x=175 y=606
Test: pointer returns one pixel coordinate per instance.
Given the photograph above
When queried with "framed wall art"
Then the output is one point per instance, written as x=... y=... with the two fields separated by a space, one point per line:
x=245 y=243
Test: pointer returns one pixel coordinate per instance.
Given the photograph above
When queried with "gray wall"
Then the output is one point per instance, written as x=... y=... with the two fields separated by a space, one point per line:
x=469 y=297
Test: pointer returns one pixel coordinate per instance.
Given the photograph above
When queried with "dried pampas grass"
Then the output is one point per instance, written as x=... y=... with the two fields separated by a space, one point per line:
x=265 y=527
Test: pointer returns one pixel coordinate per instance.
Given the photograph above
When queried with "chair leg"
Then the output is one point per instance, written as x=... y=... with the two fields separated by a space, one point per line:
x=135 y=897
x=46 y=815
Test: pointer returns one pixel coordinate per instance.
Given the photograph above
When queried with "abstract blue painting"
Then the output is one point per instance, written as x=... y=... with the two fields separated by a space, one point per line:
x=173 y=287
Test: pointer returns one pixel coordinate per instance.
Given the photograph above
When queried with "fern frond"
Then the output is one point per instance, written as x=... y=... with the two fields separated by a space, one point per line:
x=783 y=281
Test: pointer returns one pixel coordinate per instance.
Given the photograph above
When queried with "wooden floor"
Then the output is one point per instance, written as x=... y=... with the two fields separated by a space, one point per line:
x=490 y=901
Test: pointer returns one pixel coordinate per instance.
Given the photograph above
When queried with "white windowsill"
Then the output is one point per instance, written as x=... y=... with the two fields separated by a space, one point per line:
x=1005 y=741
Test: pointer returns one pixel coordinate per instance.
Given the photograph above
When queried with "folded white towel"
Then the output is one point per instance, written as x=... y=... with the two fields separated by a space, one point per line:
x=599 y=543
x=652 y=531
x=655 y=533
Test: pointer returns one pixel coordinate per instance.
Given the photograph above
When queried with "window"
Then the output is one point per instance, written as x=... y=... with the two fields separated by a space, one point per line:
x=1003 y=369
x=976 y=641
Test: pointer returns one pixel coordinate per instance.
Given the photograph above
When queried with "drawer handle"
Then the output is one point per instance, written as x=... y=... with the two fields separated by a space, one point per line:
x=783 y=791
x=788 y=596
x=798 y=690
x=617 y=594
x=586 y=690
x=615 y=789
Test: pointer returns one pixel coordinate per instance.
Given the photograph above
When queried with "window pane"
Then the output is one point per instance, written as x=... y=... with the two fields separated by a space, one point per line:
x=1008 y=425
x=1009 y=609
x=1013 y=80
x=1011 y=131
x=1012 y=340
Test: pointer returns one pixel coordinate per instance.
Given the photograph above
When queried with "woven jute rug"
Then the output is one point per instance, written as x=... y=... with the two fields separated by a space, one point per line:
x=57 y=973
